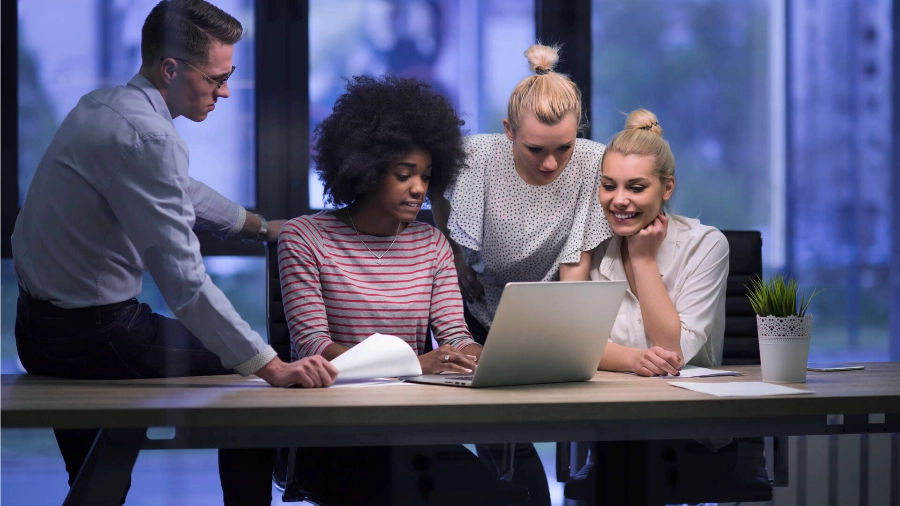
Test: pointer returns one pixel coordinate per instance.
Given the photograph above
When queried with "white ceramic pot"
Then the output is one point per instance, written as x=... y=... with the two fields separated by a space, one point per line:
x=784 y=347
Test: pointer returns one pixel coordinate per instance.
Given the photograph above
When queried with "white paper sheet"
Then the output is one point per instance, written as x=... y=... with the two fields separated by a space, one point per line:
x=377 y=382
x=378 y=356
x=739 y=388
x=691 y=371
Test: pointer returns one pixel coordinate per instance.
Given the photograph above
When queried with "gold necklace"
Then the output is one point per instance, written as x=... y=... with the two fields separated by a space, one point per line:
x=378 y=258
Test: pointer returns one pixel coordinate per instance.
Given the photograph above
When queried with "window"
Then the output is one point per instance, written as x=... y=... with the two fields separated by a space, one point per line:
x=838 y=196
x=706 y=70
x=808 y=165
x=54 y=72
x=470 y=51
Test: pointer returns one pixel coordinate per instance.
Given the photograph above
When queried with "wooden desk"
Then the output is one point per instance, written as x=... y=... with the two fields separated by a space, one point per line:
x=229 y=411
x=611 y=406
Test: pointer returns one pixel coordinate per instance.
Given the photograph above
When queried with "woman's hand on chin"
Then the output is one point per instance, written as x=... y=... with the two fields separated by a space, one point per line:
x=657 y=361
x=646 y=243
x=447 y=359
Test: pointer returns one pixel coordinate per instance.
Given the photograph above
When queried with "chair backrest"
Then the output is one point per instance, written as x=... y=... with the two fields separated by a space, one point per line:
x=276 y=323
x=741 y=344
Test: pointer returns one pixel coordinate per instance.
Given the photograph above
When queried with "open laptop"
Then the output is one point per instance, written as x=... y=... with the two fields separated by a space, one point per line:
x=549 y=332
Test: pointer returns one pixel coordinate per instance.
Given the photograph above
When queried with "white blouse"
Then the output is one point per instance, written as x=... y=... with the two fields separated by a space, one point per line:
x=693 y=261
x=513 y=231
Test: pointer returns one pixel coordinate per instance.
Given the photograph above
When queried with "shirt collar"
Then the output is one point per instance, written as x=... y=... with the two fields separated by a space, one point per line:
x=666 y=254
x=153 y=95
x=613 y=268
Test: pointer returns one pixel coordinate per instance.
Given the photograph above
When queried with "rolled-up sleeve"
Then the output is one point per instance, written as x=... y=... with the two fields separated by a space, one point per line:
x=215 y=213
x=150 y=198
x=701 y=301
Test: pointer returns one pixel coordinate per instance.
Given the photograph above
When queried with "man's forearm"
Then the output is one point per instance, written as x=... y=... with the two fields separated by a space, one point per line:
x=251 y=226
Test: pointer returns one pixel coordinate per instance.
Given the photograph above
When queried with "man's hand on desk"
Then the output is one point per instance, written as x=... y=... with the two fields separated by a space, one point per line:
x=309 y=372
x=657 y=361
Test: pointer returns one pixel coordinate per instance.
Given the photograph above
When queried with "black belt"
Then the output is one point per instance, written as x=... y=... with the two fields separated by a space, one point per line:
x=49 y=309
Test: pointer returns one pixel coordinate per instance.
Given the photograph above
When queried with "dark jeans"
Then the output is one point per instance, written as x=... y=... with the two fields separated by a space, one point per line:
x=125 y=341
x=528 y=471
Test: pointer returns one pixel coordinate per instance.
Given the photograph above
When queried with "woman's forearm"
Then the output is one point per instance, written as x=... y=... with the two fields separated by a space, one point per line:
x=618 y=358
x=473 y=349
x=333 y=351
x=440 y=209
x=660 y=319
x=578 y=271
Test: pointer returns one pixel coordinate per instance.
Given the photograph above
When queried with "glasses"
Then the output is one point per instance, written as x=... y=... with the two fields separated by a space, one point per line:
x=218 y=82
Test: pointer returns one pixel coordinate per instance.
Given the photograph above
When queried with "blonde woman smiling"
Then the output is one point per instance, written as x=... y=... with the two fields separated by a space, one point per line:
x=674 y=310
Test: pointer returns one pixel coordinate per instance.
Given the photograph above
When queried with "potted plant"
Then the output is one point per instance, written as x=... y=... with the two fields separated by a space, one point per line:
x=784 y=328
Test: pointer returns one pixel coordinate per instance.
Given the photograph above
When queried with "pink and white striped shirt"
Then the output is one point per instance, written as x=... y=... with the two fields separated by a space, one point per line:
x=335 y=290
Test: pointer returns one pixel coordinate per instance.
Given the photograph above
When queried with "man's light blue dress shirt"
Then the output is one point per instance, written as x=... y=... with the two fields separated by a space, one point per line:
x=112 y=198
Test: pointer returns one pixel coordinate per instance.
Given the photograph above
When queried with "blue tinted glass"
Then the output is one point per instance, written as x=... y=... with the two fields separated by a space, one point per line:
x=839 y=196
x=242 y=279
x=471 y=51
x=753 y=154
x=58 y=64
x=9 y=294
x=704 y=69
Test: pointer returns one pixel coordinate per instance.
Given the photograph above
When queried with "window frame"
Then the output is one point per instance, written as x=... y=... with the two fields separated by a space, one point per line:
x=282 y=118
x=9 y=141
x=282 y=107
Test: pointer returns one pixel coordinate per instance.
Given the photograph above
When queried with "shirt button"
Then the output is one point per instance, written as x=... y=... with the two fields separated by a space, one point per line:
x=640 y=321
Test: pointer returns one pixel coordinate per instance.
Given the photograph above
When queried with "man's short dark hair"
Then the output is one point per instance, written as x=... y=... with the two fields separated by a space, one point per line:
x=377 y=120
x=186 y=29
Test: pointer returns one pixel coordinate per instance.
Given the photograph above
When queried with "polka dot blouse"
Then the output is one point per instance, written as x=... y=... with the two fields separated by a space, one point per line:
x=513 y=231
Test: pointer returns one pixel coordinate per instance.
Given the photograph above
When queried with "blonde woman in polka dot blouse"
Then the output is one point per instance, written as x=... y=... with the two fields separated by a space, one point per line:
x=525 y=208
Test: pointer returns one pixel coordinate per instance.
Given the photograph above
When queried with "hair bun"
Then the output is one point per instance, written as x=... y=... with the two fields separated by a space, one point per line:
x=642 y=119
x=542 y=59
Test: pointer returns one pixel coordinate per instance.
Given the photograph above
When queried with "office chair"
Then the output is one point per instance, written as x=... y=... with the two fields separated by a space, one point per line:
x=689 y=472
x=741 y=344
x=280 y=340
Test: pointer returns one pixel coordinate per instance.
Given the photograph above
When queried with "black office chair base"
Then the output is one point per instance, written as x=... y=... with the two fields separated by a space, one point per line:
x=670 y=472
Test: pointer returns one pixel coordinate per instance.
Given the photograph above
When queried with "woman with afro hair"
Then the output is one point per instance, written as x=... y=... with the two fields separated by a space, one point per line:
x=366 y=266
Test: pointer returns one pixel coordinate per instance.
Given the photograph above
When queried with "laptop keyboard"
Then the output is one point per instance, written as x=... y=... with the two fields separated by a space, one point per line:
x=469 y=377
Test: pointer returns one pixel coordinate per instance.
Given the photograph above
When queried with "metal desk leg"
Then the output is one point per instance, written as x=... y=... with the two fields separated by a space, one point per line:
x=777 y=450
x=104 y=475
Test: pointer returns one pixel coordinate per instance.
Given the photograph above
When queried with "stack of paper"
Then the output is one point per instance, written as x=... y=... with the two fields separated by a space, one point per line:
x=739 y=389
x=379 y=356
x=692 y=371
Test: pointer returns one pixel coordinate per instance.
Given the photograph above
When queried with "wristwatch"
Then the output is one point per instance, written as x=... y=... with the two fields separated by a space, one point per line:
x=263 y=229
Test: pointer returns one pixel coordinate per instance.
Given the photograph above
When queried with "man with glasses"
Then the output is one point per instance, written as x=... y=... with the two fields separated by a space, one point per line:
x=112 y=198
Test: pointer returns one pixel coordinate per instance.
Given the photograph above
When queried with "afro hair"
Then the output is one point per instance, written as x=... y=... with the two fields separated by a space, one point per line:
x=377 y=120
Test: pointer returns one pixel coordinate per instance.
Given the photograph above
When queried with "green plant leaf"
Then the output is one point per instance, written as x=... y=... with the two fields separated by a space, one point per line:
x=778 y=297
